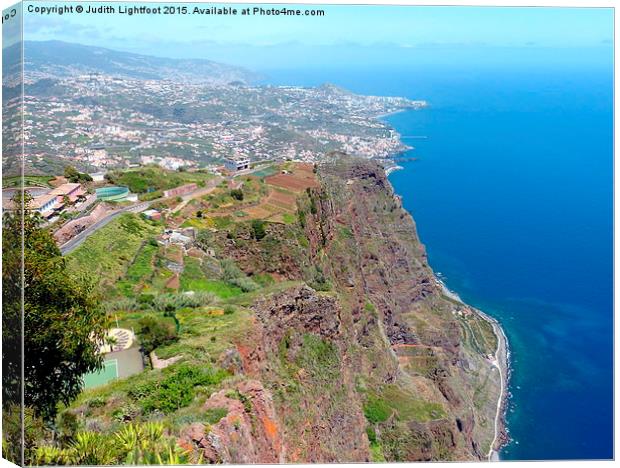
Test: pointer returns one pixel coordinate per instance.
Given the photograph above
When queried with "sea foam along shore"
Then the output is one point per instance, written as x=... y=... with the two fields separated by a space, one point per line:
x=501 y=363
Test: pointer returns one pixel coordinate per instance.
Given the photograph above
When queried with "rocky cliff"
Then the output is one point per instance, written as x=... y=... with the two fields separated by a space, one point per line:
x=380 y=364
x=345 y=348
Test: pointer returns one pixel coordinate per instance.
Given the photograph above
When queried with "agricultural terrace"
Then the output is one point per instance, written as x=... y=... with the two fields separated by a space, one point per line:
x=28 y=181
x=189 y=302
x=269 y=194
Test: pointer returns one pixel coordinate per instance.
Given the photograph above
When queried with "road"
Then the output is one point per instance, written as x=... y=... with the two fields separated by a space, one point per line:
x=76 y=241
x=210 y=186
x=500 y=357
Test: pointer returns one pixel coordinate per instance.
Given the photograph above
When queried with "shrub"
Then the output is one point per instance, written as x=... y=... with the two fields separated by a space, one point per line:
x=213 y=415
x=377 y=410
x=146 y=299
x=237 y=194
x=245 y=284
x=258 y=229
x=132 y=444
x=174 y=301
x=124 y=304
x=233 y=275
x=178 y=388
x=96 y=402
x=372 y=435
x=263 y=279
x=230 y=270
x=155 y=333
x=66 y=427
x=229 y=309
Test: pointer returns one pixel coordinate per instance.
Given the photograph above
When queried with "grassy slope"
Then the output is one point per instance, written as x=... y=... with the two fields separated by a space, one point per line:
x=107 y=254
x=154 y=177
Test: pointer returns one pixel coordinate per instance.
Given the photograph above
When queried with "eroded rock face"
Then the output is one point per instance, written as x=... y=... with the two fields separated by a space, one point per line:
x=248 y=433
x=385 y=324
x=300 y=308
x=300 y=345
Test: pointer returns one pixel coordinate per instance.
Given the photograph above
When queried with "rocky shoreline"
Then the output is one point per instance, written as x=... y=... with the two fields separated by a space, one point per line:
x=502 y=362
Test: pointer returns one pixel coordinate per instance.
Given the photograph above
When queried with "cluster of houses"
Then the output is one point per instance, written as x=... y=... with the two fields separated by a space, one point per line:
x=55 y=201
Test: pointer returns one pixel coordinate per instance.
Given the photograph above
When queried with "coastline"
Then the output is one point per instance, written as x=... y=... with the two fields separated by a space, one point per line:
x=501 y=361
x=502 y=364
x=388 y=114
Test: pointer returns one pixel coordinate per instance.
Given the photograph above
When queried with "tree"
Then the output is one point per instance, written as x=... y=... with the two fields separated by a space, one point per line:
x=237 y=194
x=155 y=333
x=62 y=319
x=71 y=174
x=258 y=229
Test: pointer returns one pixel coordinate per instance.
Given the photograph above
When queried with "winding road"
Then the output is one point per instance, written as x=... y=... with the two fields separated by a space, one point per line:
x=499 y=357
x=76 y=241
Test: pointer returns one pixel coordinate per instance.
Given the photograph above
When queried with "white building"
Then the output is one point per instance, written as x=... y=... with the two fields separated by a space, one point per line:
x=238 y=163
x=97 y=176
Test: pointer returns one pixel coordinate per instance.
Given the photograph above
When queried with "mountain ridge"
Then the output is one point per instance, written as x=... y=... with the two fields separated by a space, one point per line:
x=61 y=59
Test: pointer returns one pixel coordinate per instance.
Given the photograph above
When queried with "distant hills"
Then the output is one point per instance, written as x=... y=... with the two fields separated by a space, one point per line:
x=57 y=59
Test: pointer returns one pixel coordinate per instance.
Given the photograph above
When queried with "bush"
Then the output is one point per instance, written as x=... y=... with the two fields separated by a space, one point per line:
x=96 y=402
x=372 y=435
x=174 y=301
x=155 y=333
x=233 y=275
x=213 y=415
x=230 y=270
x=237 y=194
x=377 y=410
x=263 y=279
x=124 y=304
x=146 y=299
x=258 y=229
x=178 y=388
x=245 y=284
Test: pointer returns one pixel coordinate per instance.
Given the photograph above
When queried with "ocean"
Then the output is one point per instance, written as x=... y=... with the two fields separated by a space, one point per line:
x=512 y=194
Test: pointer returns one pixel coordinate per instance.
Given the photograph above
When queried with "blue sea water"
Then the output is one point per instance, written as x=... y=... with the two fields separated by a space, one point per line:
x=512 y=193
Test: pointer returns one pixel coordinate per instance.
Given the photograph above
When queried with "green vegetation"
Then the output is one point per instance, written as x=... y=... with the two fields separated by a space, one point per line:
x=131 y=444
x=258 y=229
x=73 y=175
x=62 y=323
x=479 y=334
x=177 y=389
x=28 y=181
x=237 y=194
x=193 y=279
x=154 y=178
x=289 y=218
x=319 y=358
x=377 y=410
x=154 y=333
x=140 y=269
x=235 y=277
x=107 y=253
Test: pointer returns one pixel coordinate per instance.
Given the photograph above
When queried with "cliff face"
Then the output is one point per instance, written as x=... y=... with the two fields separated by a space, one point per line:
x=344 y=349
x=381 y=365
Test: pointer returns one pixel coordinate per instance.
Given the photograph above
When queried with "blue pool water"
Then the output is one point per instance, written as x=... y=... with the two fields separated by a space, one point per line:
x=512 y=195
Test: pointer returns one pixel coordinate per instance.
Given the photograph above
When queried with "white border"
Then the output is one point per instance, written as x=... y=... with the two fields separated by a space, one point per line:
x=532 y=3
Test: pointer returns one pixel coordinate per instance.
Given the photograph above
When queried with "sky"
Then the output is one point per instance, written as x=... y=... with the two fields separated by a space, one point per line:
x=346 y=34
